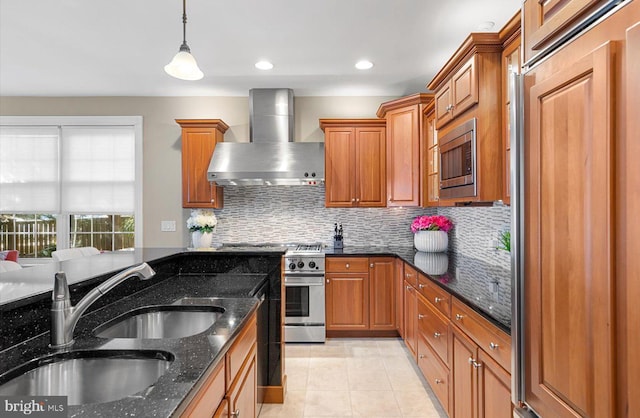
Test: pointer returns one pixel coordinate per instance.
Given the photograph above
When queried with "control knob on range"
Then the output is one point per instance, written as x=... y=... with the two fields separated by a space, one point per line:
x=312 y=264
x=300 y=264
x=292 y=266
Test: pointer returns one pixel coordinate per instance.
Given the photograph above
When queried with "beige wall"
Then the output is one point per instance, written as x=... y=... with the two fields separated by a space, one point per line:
x=162 y=182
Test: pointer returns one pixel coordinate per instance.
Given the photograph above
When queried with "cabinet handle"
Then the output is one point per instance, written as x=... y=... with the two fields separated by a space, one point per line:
x=357 y=200
x=327 y=280
x=436 y=335
x=459 y=317
x=353 y=199
x=493 y=346
x=347 y=266
x=371 y=265
x=437 y=300
x=236 y=413
x=422 y=356
x=471 y=360
x=408 y=287
x=420 y=316
x=476 y=365
x=213 y=200
x=421 y=286
x=407 y=275
x=438 y=381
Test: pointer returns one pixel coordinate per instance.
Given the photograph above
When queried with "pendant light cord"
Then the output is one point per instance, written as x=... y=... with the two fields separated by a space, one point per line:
x=184 y=46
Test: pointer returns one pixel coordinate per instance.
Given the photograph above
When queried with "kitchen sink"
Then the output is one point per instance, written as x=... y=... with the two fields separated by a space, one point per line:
x=157 y=322
x=87 y=376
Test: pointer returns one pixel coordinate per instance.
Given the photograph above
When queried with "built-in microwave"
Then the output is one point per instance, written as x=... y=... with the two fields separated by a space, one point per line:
x=458 y=161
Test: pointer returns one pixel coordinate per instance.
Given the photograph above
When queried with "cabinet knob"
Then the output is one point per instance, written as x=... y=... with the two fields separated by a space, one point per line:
x=236 y=413
x=420 y=316
x=353 y=199
x=347 y=266
x=471 y=360
x=421 y=286
x=436 y=335
x=408 y=287
x=213 y=200
x=371 y=265
x=459 y=317
x=476 y=365
x=437 y=300
x=327 y=280
x=421 y=356
x=357 y=200
x=438 y=381
x=493 y=346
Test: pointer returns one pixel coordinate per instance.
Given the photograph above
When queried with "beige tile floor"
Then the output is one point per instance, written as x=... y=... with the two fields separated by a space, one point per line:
x=354 y=378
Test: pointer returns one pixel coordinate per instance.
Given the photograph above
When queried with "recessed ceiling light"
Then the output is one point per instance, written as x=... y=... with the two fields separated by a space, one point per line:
x=364 y=65
x=264 y=65
x=485 y=26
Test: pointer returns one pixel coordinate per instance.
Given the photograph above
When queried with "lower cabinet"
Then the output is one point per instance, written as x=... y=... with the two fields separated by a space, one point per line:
x=410 y=301
x=361 y=294
x=482 y=388
x=230 y=390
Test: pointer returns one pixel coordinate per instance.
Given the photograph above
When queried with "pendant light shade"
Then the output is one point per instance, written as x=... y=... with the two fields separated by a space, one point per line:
x=183 y=65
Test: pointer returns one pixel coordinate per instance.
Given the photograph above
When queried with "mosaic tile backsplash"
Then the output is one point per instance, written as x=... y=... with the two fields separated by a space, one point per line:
x=277 y=214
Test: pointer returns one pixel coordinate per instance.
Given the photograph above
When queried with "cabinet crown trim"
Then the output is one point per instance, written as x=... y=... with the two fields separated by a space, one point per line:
x=350 y=123
x=475 y=43
x=203 y=123
x=414 y=99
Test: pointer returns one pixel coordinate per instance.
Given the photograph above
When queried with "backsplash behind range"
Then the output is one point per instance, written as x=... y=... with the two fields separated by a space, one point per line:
x=256 y=214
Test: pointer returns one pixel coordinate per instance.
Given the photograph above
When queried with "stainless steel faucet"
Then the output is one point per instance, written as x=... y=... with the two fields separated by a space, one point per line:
x=64 y=317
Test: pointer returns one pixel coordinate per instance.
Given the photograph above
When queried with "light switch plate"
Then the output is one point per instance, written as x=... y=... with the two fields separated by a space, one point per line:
x=168 y=226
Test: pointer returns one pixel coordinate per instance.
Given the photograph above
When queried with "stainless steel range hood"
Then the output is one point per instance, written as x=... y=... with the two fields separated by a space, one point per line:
x=271 y=157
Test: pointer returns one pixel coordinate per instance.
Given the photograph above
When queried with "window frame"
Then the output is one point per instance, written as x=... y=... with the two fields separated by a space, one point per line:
x=63 y=229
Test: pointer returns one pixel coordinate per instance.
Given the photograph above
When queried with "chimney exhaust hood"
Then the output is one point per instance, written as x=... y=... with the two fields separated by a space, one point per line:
x=271 y=157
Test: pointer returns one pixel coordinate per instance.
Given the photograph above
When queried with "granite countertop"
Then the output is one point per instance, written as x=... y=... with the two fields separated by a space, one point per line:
x=486 y=288
x=194 y=355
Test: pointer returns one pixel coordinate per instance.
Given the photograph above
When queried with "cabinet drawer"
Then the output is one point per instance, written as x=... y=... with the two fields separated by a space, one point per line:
x=489 y=338
x=438 y=297
x=434 y=328
x=434 y=372
x=241 y=349
x=347 y=265
x=206 y=401
x=410 y=275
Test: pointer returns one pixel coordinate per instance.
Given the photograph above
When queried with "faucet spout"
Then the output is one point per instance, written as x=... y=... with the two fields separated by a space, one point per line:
x=64 y=316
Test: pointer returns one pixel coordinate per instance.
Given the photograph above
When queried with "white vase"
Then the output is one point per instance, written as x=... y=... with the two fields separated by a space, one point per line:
x=431 y=263
x=201 y=239
x=431 y=241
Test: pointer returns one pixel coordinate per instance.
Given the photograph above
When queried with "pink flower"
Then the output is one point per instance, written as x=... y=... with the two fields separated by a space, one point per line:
x=431 y=223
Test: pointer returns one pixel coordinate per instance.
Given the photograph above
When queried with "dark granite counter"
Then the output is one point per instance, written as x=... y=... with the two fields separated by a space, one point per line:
x=230 y=280
x=484 y=287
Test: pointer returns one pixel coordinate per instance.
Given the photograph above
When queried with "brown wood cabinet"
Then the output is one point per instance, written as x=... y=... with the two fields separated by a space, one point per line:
x=431 y=152
x=405 y=169
x=355 y=162
x=410 y=302
x=580 y=126
x=469 y=87
x=510 y=64
x=458 y=94
x=481 y=387
x=360 y=294
x=230 y=389
x=547 y=21
x=199 y=139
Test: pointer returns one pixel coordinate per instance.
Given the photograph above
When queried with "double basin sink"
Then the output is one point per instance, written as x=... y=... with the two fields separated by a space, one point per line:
x=97 y=376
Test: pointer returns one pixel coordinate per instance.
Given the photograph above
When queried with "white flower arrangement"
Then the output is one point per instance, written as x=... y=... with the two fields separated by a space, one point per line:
x=202 y=220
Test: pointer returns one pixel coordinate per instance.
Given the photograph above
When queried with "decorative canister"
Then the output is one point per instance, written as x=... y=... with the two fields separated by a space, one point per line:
x=431 y=241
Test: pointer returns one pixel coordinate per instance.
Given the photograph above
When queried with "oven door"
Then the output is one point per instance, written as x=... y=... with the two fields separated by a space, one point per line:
x=304 y=300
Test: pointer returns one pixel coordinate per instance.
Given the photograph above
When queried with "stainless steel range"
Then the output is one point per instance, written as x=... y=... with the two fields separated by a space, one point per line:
x=304 y=294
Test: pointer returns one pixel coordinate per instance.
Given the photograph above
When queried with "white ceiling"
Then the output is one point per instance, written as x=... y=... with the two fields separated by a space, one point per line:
x=119 y=47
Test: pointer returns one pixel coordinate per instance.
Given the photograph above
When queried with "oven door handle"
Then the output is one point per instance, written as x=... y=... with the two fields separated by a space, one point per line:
x=301 y=284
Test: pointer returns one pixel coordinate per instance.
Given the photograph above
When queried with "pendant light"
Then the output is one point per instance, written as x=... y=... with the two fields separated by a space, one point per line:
x=183 y=65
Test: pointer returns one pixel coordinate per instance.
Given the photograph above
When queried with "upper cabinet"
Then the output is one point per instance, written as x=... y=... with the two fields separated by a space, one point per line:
x=510 y=64
x=458 y=94
x=355 y=162
x=405 y=149
x=431 y=160
x=547 y=22
x=468 y=116
x=199 y=139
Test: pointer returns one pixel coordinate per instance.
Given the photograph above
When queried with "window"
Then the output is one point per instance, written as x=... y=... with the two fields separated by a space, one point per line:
x=70 y=182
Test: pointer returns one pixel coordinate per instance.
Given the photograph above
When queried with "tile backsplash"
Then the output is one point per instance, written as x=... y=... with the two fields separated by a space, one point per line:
x=276 y=214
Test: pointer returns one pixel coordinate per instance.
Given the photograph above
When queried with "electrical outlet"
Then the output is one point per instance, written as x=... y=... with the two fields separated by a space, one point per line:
x=168 y=226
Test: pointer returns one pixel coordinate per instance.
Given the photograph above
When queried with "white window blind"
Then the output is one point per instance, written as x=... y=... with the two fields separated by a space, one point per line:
x=29 y=169
x=98 y=169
